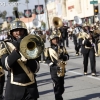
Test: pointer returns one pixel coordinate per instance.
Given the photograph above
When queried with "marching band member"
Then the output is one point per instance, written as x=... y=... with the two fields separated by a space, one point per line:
x=21 y=78
x=96 y=35
x=88 y=51
x=56 y=57
x=78 y=29
x=64 y=34
x=2 y=80
x=2 y=73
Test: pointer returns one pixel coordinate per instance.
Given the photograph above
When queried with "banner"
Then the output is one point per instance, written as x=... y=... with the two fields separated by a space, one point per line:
x=39 y=9
x=9 y=19
x=27 y=13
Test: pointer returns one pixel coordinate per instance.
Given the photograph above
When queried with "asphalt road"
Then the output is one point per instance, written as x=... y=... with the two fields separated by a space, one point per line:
x=77 y=86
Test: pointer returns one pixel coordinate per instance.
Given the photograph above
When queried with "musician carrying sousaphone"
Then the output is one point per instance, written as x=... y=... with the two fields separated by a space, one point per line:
x=21 y=82
x=56 y=57
x=76 y=34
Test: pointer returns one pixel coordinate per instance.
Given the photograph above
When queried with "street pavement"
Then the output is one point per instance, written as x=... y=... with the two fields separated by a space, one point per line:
x=77 y=86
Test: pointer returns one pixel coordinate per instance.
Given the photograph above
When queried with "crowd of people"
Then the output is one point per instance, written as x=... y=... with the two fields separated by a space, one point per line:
x=21 y=77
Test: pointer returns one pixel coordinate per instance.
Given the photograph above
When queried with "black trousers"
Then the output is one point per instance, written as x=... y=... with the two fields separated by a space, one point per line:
x=58 y=86
x=61 y=42
x=76 y=43
x=96 y=45
x=27 y=96
x=2 y=81
x=90 y=55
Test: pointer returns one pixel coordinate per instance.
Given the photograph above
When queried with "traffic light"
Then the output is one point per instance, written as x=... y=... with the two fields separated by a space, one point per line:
x=96 y=10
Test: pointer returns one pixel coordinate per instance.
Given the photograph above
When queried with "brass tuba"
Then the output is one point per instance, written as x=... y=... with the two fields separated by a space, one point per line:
x=57 y=23
x=36 y=23
x=31 y=46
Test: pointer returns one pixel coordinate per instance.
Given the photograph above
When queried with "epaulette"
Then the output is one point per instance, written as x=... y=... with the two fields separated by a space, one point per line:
x=46 y=52
x=2 y=49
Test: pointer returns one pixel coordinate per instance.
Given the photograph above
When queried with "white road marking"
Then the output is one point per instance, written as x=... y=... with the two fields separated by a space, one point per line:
x=82 y=74
x=77 y=73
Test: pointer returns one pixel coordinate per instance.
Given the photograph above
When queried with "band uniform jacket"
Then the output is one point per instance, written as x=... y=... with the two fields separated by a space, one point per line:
x=53 y=64
x=64 y=32
x=18 y=80
x=87 y=46
x=58 y=82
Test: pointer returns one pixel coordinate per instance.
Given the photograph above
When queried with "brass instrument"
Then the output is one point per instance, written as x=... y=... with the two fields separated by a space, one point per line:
x=82 y=35
x=36 y=23
x=57 y=23
x=61 y=64
x=31 y=46
x=1 y=71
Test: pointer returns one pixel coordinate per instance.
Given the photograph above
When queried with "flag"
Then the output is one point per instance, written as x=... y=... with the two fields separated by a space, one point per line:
x=39 y=9
x=27 y=13
x=9 y=19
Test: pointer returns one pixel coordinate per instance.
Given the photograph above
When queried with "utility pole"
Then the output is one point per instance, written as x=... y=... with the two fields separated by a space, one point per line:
x=27 y=1
x=39 y=16
x=46 y=12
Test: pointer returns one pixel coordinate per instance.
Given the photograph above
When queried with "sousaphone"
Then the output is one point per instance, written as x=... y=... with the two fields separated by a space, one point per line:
x=57 y=23
x=78 y=21
x=31 y=46
x=36 y=23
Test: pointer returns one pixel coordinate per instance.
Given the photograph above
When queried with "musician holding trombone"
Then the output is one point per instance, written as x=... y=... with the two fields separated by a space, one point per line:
x=21 y=78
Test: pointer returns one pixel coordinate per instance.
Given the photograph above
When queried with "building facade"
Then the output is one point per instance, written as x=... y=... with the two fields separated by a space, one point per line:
x=67 y=9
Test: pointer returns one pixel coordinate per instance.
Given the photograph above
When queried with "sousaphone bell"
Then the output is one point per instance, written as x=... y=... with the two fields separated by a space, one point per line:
x=31 y=46
x=57 y=23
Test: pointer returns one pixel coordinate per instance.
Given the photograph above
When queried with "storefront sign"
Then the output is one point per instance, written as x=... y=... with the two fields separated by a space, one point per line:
x=70 y=7
x=94 y=2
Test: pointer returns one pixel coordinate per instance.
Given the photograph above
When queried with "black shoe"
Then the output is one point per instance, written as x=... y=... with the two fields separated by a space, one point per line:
x=1 y=97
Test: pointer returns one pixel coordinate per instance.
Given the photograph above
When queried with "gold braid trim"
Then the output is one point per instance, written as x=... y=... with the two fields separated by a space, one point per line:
x=3 y=51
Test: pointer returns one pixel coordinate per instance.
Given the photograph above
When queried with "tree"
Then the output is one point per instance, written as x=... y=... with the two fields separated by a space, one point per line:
x=43 y=25
x=21 y=14
x=33 y=11
x=4 y=13
x=45 y=1
x=27 y=1
x=0 y=14
x=13 y=0
x=14 y=9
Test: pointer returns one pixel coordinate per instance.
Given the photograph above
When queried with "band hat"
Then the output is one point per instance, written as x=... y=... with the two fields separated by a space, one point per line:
x=53 y=36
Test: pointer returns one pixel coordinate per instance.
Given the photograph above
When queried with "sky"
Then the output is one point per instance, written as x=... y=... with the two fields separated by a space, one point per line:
x=5 y=5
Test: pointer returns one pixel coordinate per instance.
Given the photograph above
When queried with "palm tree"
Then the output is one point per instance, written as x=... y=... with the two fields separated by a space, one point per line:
x=14 y=9
x=13 y=0
x=33 y=11
x=4 y=13
x=27 y=1
x=21 y=14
